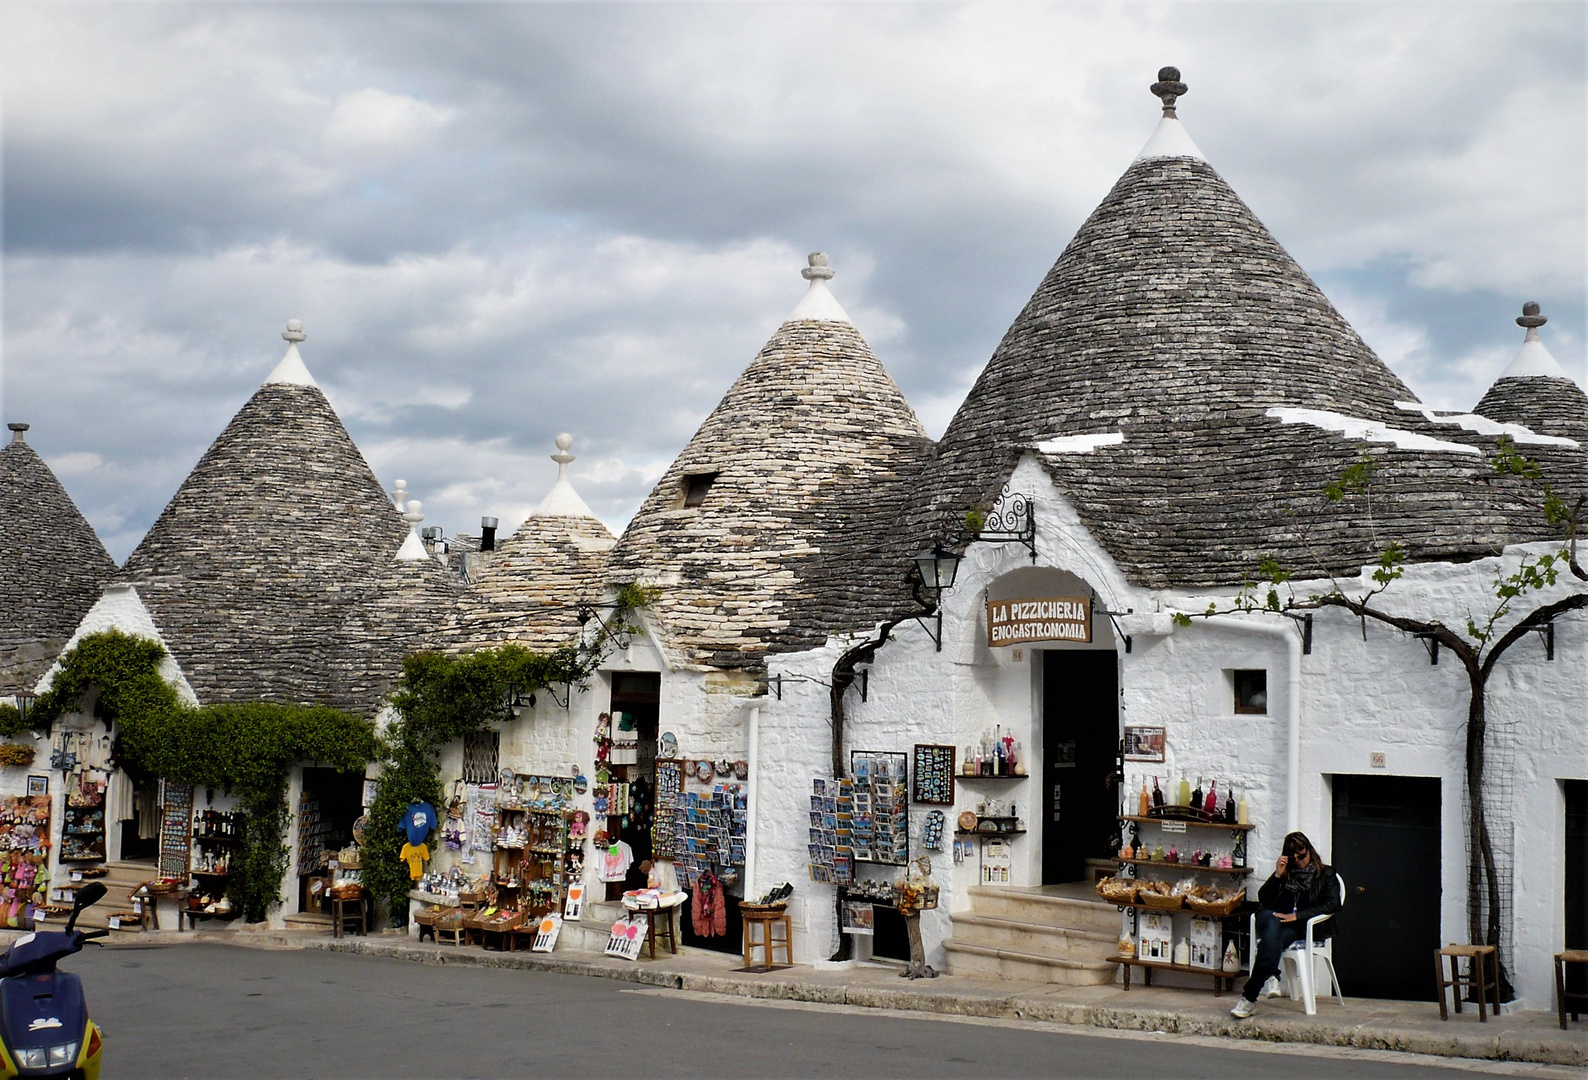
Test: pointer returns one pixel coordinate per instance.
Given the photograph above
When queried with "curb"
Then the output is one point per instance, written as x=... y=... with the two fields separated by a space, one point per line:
x=1504 y=1046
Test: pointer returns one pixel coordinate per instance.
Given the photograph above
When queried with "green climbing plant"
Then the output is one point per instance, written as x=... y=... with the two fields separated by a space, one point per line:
x=442 y=699
x=245 y=749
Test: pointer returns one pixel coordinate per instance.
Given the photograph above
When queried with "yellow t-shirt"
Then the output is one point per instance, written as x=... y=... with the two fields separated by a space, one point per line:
x=415 y=855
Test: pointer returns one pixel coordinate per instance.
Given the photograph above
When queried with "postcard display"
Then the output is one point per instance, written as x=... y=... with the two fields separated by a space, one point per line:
x=860 y=818
x=699 y=830
x=24 y=858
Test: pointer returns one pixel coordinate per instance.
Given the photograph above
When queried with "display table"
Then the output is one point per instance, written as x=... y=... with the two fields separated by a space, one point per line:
x=665 y=907
x=1219 y=976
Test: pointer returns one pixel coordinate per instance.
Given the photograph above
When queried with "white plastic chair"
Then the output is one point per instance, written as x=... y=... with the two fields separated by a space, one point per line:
x=1303 y=957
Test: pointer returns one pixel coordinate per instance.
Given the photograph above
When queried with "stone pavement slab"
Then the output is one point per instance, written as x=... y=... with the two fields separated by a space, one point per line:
x=1366 y=1024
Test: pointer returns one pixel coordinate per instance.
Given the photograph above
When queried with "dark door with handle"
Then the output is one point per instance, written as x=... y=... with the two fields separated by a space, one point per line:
x=1080 y=734
x=1576 y=890
x=1386 y=847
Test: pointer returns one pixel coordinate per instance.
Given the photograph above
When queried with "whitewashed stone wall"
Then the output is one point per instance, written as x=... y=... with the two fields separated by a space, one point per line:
x=1357 y=697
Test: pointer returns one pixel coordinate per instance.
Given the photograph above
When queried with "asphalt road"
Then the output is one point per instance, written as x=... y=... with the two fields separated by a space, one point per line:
x=215 y=1011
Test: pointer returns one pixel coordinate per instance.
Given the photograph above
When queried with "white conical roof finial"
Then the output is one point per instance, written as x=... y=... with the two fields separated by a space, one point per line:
x=562 y=500
x=291 y=371
x=1533 y=359
x=413 y=548
x=1169 y=138
x=819 y=303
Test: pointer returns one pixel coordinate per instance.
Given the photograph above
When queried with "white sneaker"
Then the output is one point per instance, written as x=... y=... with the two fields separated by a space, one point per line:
x=1243 y=1009
x=1271 y=987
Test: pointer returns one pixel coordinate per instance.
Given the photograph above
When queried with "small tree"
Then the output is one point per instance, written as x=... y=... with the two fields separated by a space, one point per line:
x=1478 y=645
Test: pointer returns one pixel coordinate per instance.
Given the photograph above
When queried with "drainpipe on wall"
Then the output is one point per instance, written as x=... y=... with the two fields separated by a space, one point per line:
x=1292 y=705
x=750 y=806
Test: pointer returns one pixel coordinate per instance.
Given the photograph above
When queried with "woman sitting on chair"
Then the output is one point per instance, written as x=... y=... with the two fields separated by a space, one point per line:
x=1300 y=888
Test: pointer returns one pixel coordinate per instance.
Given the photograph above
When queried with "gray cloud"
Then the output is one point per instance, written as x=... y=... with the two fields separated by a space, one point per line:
x=505 y=220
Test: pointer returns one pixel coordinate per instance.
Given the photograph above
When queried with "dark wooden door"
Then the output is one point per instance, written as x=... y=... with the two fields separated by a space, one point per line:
x=1386 y=846
x=1576 y=890
x=1080 y=735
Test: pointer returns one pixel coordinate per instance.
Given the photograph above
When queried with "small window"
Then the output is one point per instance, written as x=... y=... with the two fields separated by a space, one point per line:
x=1251 y=692
x=695 y=487
x=481 y=752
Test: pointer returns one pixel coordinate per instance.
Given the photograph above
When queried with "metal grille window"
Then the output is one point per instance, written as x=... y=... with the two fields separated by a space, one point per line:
x=480 y=754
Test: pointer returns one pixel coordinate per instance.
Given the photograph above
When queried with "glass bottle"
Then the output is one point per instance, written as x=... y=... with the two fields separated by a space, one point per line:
x=1145 y=800
x=1196 y=796
x=1243 y=812
x=1229 y=805
x=1212 y=804
x=1185 y=791
x=1157 y=793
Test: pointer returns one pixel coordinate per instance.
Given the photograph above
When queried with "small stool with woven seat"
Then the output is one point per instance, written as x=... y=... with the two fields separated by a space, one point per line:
x=1482 y=975
x=766 y=916
x=1578 y=1000
x=348 y=908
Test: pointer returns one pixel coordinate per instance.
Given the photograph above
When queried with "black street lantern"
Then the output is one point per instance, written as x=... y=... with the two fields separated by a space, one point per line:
x=938 y=567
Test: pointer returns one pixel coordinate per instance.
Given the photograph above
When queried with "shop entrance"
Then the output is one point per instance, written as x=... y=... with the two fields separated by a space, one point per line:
x=1386 y=846
x=636 y=700
x=329 y=805
x=1080 y=738
x=1576 y=890
x=140 y=832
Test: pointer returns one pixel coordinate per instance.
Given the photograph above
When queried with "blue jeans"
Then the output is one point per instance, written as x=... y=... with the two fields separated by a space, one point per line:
x=1273 y=938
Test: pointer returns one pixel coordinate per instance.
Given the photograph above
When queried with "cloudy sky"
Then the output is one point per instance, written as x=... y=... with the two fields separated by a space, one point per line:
x=507 y=220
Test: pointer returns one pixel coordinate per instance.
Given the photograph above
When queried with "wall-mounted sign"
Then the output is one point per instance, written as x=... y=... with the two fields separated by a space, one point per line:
x=1064 y=618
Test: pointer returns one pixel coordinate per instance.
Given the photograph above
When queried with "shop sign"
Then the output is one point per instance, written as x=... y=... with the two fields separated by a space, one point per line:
x=1014 y=622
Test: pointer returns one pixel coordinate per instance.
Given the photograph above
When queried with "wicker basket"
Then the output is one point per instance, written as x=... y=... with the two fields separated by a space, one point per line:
x=1117 y=890
x=1216 y=908
x=1159 y=902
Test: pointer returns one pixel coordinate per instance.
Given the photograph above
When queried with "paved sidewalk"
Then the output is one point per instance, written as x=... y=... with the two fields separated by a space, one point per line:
x=1410 y=1027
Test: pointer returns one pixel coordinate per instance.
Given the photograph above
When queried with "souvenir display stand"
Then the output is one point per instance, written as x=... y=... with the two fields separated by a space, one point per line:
x=216 y=837
x=537 y=852
x=83 y=820
x=1191 y=924
x=24 y=859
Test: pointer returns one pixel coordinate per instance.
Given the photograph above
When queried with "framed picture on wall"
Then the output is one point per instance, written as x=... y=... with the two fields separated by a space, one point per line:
x=934 y=774
x=38 y=785
x=1144 y=743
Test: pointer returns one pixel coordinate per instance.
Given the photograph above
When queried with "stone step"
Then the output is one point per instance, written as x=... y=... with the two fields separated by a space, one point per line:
x=964 y=959
x=1052 y=941
x=1040 y=909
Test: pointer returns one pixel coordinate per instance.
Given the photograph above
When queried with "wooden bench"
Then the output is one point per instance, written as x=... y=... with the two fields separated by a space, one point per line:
x=1219 y=977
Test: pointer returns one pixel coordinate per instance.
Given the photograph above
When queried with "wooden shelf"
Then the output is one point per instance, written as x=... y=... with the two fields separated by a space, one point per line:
x=1241 y=870
x=1193 y=822
x=992 y=776
x=989 y=835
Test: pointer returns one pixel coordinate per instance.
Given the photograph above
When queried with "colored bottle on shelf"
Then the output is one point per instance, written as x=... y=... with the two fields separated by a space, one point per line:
x=1212 y=804
x=1157 y=793
x=1243 y=812
x=1185 y=791
x=1229 y=806
x=1196 y=796
x=1145 y=801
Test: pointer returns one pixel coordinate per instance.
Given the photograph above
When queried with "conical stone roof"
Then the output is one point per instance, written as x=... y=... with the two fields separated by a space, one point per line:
x=52 y=565
x=531 y=589
x=1535 y=390
x=251 y=568
x=802 y=456
x=1215 y=386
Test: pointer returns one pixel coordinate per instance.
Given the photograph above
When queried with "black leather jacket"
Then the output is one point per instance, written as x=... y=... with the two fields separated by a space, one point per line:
x=1322 y=898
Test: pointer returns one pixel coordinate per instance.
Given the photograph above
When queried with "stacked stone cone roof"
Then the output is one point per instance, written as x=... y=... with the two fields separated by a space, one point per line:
x=52 y=565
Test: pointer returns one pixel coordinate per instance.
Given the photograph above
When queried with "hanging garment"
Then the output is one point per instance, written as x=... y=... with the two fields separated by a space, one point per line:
x=147 y=801
x=120 y=805
x=415 y=855
x=615 y=864
x=708 y=911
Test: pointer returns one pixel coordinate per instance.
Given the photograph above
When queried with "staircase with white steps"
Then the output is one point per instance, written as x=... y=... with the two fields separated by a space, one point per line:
x=1050 y=934
x=119 y=881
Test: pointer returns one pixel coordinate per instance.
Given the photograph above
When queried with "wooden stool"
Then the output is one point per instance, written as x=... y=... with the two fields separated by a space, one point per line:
x=1482 y=960
x=1570 y=956
x=340 y=914
x=766 y=917
x=655 y=931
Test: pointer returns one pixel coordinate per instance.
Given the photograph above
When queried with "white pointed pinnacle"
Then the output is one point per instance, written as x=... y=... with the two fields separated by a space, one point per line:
x=413 y=513
x=399 y=494
x=294 y=331
x=818 y=267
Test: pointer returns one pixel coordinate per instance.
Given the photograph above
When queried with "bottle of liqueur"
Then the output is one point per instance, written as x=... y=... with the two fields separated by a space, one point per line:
x=1229 y=805
x=1196 y=796
x=1157 y=793
x=1211 y=807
